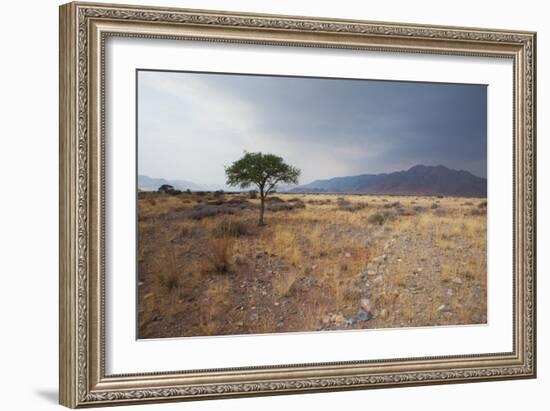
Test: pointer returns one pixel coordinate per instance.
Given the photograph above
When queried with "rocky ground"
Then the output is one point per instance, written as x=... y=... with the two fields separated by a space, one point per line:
x=322 y=263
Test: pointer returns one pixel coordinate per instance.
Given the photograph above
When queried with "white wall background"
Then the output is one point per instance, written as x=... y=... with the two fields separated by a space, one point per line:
x=29 y=188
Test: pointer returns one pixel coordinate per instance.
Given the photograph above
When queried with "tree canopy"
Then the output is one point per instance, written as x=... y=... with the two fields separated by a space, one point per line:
x=264 y=171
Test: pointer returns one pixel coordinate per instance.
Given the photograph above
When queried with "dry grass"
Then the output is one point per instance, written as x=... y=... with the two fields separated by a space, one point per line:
x=231 y=228
x=205 y=268
x=283 y=282
x=219 y=254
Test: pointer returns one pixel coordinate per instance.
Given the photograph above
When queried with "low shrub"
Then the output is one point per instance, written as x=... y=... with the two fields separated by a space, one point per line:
x=351 y=207
x=231 y=228
x=295 y=200
x=237 y=200
x=434 y=206
x=342 y=203
x=284 y=206
x=482 y=204
x=320 y=202
x=199 y=212
x=274 y=199
x=477 y=211
x=377 y=219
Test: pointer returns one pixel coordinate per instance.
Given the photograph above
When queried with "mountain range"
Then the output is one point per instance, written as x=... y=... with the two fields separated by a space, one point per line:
x=146 y=183
x=417 y=180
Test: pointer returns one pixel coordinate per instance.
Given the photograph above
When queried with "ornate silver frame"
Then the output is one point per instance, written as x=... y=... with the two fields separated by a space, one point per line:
x=83 y=30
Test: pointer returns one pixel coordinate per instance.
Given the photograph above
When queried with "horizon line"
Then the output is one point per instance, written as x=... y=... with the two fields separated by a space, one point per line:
x=324 y=179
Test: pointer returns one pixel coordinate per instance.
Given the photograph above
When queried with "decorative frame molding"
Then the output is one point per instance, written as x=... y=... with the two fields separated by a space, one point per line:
x=83 y=30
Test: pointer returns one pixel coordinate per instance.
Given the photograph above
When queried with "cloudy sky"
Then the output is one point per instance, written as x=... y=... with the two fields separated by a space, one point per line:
x=191 y=125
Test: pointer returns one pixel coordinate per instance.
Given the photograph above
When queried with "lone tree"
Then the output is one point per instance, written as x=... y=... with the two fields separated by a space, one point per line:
x=264 y=171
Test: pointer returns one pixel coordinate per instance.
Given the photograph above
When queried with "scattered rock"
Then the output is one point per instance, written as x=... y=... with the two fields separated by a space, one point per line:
x=347 y=255
x=442 y=308
x=337 y=320
x=380 y=258
x=457 y=280
x=383 y=313
x=362 y=315
x=366 y=305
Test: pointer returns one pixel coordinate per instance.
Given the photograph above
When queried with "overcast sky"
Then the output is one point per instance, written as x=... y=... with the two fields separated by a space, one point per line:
x=191 y=125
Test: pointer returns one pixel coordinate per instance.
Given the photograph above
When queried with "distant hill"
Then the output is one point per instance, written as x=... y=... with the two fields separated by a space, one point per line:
x=146 y=183
x=418 y=180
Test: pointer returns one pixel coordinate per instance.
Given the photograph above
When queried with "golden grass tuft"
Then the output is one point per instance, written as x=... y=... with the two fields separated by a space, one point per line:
x=284 y=282
x=218 y=254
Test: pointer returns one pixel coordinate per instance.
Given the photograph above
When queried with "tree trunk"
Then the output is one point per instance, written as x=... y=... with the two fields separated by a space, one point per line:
x=262 y=201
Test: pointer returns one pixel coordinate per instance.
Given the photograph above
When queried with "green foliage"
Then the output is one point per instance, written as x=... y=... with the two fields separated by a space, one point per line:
x=263 y=171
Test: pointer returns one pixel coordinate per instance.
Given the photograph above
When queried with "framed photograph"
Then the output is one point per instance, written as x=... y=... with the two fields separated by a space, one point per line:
x=259 y=204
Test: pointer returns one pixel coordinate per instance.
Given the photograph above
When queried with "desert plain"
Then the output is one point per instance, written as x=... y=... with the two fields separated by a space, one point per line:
x=321 y=262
